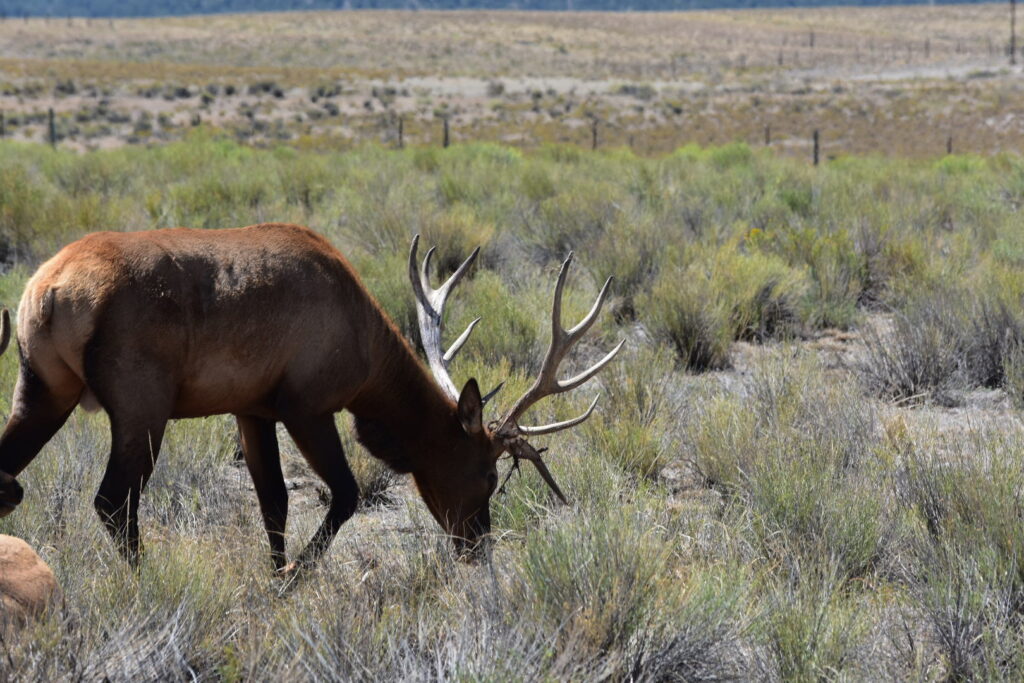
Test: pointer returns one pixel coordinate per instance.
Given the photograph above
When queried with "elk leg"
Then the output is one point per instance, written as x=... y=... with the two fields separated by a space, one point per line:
x=259 y=446
x=318 y=440
x=37 y=412
x=135 y=446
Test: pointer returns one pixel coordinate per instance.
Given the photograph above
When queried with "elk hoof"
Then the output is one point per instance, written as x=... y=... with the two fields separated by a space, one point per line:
x=287 y=578
x=288 y=572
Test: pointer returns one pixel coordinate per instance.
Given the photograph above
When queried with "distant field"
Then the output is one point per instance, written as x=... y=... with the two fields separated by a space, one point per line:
x=895 y=81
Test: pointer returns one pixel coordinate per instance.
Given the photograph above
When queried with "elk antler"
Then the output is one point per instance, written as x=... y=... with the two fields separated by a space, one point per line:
x=5 y=330
x=429 y=311
x=547 y=383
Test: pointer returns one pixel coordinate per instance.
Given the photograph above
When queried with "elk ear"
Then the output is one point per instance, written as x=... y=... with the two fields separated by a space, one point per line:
x=471 y=408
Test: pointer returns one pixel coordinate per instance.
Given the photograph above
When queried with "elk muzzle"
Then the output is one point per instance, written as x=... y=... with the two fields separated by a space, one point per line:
x=473 y=540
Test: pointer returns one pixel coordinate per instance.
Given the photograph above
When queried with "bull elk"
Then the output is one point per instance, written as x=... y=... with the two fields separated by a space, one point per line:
x=269 y=323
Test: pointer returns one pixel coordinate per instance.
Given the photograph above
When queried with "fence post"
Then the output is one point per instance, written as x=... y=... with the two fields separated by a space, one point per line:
x=447 y=139
x=1013 y=33
x=593 y=134
x=3 y=126
x=817 y=147
x=53 y=129
x=767 y=135
x=949 y=145
x=401 y=132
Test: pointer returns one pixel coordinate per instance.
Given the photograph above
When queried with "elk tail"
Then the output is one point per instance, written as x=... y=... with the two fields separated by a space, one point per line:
x=5 y=330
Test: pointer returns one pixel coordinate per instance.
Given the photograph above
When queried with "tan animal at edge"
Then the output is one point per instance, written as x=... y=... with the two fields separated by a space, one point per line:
x=27 y=586
x=269 y=323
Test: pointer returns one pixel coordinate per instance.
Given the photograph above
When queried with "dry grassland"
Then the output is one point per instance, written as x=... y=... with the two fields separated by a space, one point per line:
x=894 y=81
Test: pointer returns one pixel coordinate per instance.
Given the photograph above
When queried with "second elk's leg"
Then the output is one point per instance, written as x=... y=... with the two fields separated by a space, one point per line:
x=259 y=446
x=136 y=434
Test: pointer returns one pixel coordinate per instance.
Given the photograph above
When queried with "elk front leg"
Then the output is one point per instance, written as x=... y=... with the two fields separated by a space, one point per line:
x=259 y=446
x=318 y=440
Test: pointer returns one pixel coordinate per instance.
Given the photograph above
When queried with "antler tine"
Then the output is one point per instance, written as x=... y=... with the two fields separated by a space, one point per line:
x=556 y=306
x=490 y=394
x=429 y=311
x=581 y=328
x=5 y=330
x=457 y=344
x=559 y=426
x=415 y=275
x=522 y=450
x=573 y=382
x=457 y=276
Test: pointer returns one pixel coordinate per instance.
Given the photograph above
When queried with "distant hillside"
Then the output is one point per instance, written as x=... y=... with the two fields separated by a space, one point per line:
x=150 y=8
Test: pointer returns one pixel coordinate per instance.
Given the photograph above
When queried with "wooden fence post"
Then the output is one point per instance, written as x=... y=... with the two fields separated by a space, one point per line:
x=767 y=135
x=949 y=145
x=53 y=129
x=401 y=132
x=593 y=134
x=447 y=138
x=1013 y=33
x=817 y=147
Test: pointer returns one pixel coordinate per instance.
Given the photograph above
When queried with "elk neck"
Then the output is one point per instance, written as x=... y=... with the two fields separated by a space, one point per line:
x=400 y=409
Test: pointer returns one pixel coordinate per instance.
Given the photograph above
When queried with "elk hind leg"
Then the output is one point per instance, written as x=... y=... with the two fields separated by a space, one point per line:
x=320 y=444
x=259 y=447
x=40 y=407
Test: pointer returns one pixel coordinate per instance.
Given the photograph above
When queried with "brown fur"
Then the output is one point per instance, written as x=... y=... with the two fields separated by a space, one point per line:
x=269 y=323
x=27 y=585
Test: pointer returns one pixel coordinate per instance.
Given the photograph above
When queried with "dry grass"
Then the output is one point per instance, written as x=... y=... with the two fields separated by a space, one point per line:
x=778 y=520
x=895 y=81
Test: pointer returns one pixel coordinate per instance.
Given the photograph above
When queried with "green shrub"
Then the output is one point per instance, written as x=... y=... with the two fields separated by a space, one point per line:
x=596 y=576
x=637 y=424
x=813 y=628
x=799 y=456
x=728 y=295
x=682 y=310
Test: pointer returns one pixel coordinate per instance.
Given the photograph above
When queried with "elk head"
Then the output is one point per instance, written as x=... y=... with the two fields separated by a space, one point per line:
x=458 y=491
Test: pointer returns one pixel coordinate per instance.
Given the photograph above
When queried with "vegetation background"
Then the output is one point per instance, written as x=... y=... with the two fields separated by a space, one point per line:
x=807 y=464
